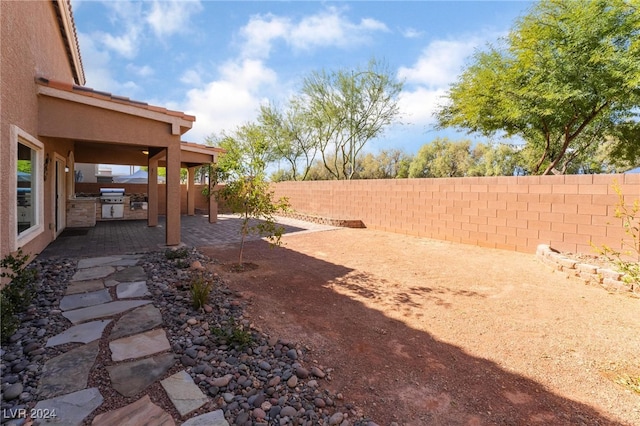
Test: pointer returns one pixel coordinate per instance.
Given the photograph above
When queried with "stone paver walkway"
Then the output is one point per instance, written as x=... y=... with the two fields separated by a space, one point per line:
x=137 y=343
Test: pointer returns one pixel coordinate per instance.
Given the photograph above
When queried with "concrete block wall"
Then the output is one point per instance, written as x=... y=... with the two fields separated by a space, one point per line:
x=566 y=212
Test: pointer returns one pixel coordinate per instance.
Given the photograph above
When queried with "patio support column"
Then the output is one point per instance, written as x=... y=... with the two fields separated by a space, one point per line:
x=191 y=191
x=173 y=194
x=213 y=207
x=152 y=188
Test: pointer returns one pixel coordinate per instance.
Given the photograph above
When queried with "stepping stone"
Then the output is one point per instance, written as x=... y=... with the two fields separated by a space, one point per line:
x=184 y=393
x=105 y=310
x=132 y=273
x=84 y=286
x=139 y=345
x=93 y=273
x=143 y=412
x=133 y=289
x=97 y=261
x=141 y=319
x=83 y=333
x=133 y=377
x=71 y=409
x=214 y=418
x=68 y=372
x=131 y=261
x=83 y=300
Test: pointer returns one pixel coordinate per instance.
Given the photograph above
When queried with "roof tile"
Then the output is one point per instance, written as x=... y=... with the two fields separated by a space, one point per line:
x=87 y=91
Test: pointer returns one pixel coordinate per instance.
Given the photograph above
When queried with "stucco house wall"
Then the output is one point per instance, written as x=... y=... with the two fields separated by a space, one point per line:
x=31 y=45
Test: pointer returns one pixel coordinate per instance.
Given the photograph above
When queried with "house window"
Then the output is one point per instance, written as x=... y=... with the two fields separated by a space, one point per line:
x=30 y=172
x=27 y=160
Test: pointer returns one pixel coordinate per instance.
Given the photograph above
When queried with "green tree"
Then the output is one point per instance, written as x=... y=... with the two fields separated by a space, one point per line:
x=442 y=158
x=494 y=160
x=247 y=152
x=246 y=190
x=387 y=164
x=567 y=76
x=291 y=137
x=346 y=109
x=253 y=200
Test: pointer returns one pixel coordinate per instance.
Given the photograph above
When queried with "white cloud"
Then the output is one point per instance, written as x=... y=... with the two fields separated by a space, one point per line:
x=428 y=79
x=331 y=28
x=326 y=28
x=99 y=75
x=418 y=106
x=191 y=77
x=231 y=100
x=171 y=17
x=125 y=45
x=440 y=62
x=260 y=32
x=142 y=71
x=412 y=33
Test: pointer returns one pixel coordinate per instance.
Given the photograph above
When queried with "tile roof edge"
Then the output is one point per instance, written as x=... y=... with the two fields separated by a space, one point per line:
x=90 y=92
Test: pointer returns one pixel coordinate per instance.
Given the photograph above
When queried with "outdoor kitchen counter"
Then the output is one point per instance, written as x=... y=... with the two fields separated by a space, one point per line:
x=84 y=212
x=132 y=210
x=81 y=212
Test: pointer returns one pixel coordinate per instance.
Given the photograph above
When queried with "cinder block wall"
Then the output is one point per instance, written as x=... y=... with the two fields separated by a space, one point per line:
x=514 y=213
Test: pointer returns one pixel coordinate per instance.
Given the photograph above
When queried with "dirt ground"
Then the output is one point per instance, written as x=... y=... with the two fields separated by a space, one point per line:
x=425 y=332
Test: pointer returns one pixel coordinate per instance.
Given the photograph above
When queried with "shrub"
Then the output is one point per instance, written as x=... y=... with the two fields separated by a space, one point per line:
x=234 y=335
x=200 y=289
x=8 y=320
x=179 y=253
x=17 y=295
x=627 y=259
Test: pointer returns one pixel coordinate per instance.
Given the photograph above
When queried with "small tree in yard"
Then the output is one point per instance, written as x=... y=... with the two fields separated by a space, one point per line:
x=252 y=199
x=246 y=190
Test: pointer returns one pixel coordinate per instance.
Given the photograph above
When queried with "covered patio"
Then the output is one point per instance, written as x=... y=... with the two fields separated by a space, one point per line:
x=98 y=127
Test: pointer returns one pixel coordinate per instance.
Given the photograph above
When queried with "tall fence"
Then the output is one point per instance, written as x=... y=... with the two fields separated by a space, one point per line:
x=567 y=212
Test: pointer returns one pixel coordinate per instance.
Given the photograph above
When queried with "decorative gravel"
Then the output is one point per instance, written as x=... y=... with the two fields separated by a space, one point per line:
x=256 y=379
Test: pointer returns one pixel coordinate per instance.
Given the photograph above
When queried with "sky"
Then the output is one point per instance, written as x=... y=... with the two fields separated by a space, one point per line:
x=220 y=60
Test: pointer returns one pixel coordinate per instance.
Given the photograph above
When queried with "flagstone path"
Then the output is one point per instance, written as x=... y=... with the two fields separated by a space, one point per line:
x=137 y=343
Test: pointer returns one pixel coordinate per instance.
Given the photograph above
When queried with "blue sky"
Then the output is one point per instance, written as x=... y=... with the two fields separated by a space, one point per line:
x=219 y=60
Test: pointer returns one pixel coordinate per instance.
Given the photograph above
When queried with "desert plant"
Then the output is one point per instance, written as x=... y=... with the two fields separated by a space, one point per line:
x=179 y=253
x=8 y=320
x=18 y=293
x=252 y=199
x=627 y=259
x=200 y=290
x=233 y=334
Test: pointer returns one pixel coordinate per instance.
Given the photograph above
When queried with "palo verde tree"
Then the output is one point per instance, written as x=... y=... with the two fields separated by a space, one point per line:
x=291 y=137
x=566 y=78
x=246 y=190
x=346 y=109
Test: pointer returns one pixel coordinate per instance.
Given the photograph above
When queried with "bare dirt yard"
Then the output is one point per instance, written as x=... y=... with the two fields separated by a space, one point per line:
x=425 y=332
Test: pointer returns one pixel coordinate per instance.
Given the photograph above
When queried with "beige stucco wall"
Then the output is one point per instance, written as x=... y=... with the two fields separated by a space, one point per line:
x=31 y=45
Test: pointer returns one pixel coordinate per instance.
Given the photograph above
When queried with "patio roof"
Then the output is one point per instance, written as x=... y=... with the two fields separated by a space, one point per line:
x=180 y=121
x=99 y=127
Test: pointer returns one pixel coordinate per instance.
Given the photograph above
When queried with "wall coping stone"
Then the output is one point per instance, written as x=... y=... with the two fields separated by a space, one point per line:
x=609 y=279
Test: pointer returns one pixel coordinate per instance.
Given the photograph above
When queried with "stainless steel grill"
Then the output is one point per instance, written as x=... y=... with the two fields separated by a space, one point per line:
x=112 y=195
x=112 y=200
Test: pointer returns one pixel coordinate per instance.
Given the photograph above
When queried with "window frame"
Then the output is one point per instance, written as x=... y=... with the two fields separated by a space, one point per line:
x=19 y=136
